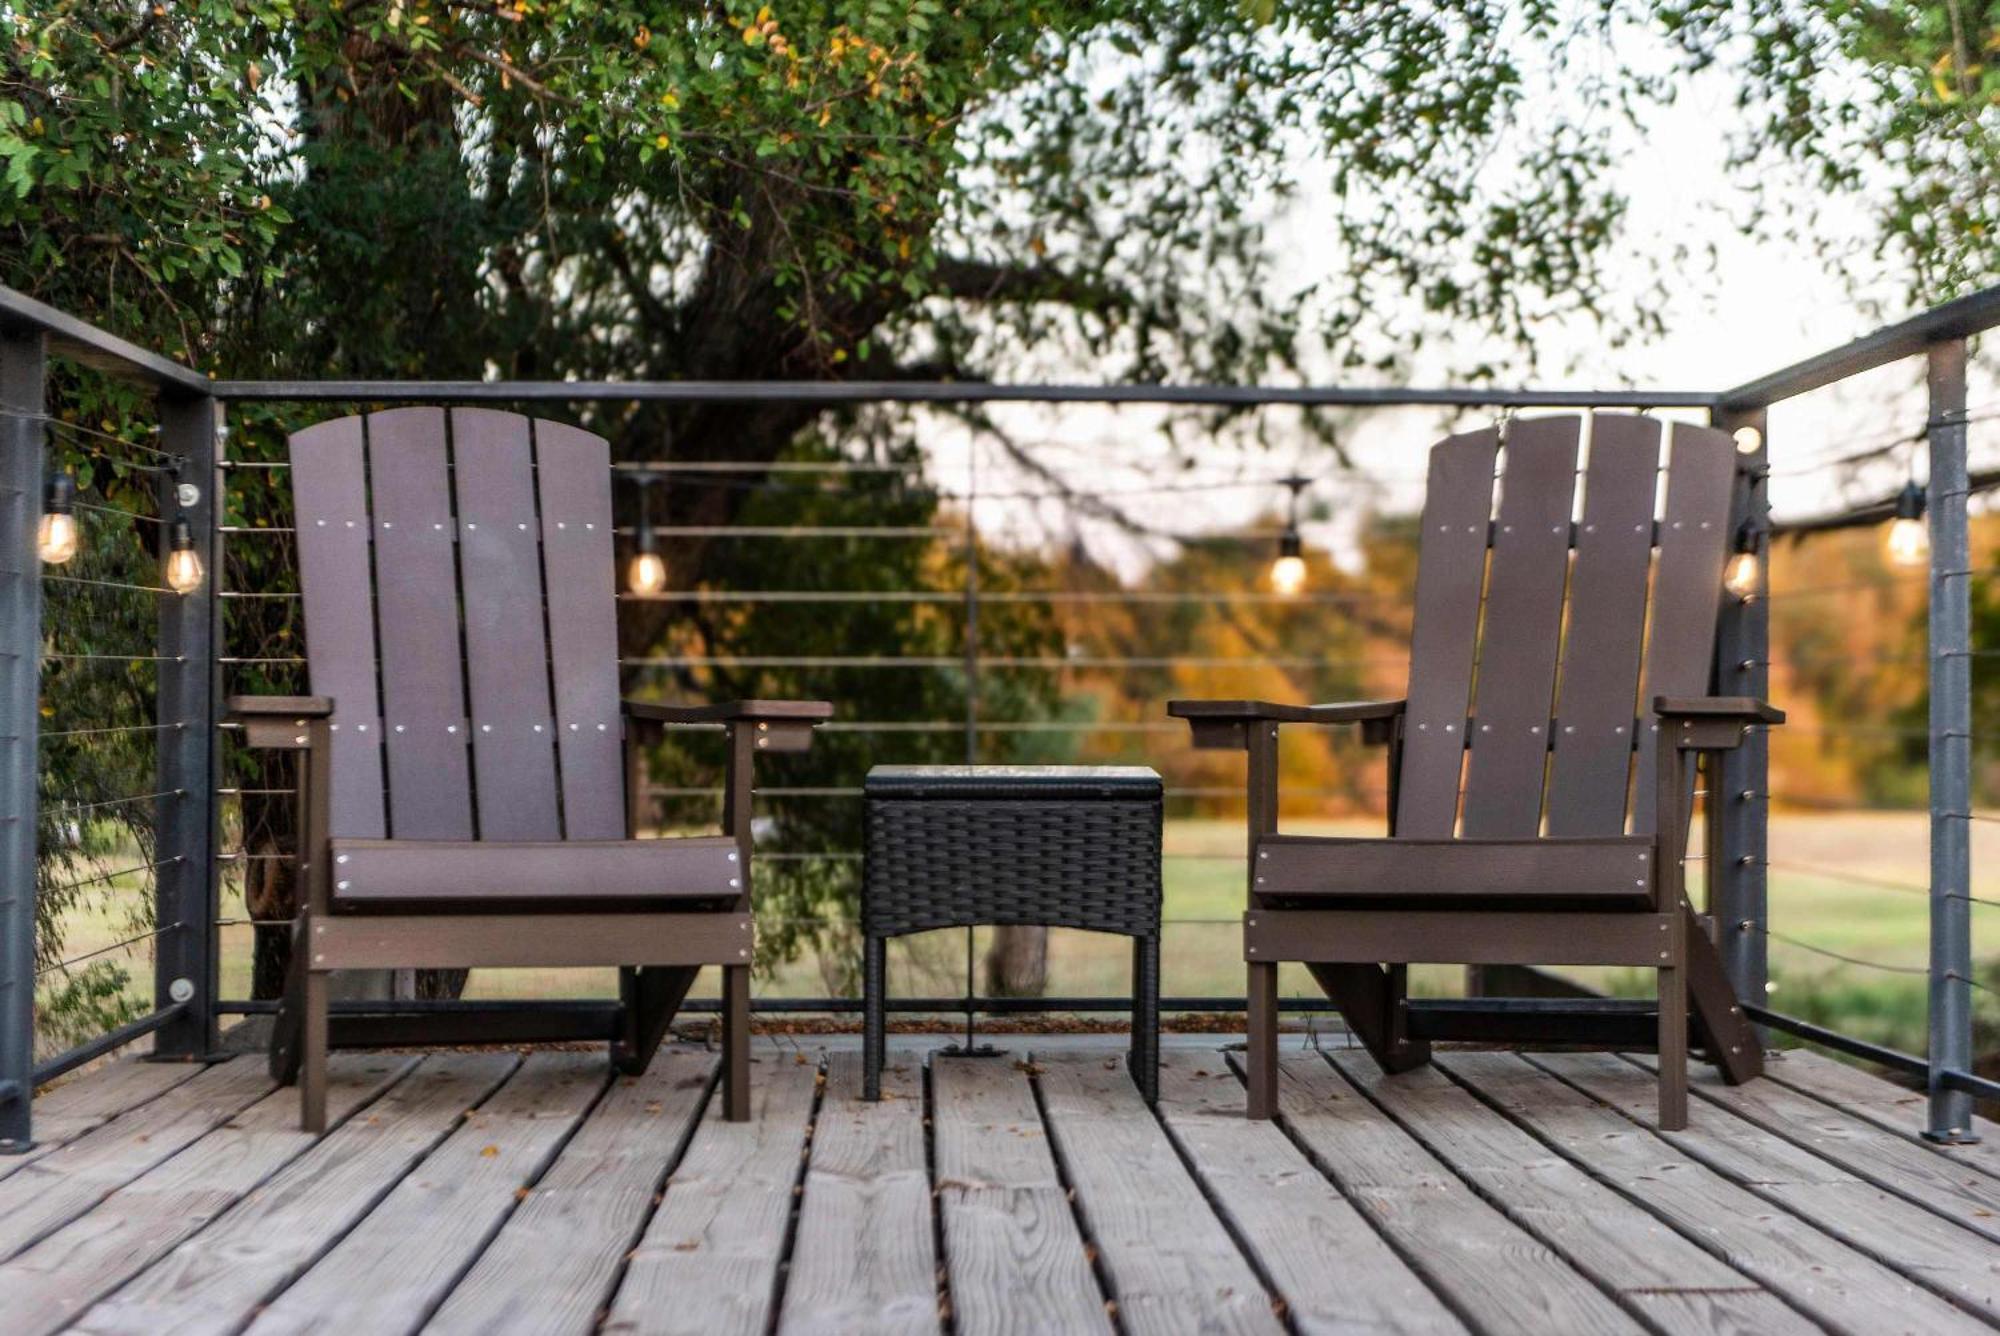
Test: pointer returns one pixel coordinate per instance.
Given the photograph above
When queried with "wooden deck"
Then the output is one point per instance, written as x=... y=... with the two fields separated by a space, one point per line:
x=490 y=1192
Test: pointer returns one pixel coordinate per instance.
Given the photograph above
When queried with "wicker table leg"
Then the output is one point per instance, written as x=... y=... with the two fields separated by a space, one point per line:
x=1145 y=1060
x=874 y=980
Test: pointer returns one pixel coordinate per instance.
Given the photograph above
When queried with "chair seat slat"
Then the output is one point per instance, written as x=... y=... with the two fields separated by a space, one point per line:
x=1495 y=874
x=497 y=874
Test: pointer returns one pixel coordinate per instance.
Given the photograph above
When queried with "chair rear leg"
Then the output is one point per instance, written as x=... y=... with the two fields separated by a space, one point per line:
x=652 y=997
x=1673 y=1109
x=736 y=1043
x=1370 y=999
x=1261 y=1060
x=1724 y=1030
x=313 y=1045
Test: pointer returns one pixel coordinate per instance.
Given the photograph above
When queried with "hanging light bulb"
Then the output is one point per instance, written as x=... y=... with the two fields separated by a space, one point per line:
x=1908 y=542
x=646 y=573
x=1740 y=577
x=183 y=565
x=1288 y=572
x=55 y=537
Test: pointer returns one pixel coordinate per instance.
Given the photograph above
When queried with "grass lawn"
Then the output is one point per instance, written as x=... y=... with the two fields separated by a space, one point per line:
x=1815 y=898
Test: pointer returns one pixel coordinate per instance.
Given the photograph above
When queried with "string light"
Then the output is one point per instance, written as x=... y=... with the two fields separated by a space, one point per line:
x=55 y=536
x=183 y=564
x=646 y=573
x=1743 y=572
x=1908 y=542
x=1288 y=572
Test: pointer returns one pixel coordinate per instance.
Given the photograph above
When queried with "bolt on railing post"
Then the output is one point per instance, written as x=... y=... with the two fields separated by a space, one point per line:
x=185 y=900
x=1739 y=801
x=23 y=366
x=1950 y=747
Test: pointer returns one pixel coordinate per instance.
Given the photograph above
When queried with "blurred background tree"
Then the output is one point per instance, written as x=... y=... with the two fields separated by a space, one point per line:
x=875 y=189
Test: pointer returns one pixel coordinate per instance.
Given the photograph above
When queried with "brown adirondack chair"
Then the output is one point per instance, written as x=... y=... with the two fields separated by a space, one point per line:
x=1540 y=767
x=434 y=835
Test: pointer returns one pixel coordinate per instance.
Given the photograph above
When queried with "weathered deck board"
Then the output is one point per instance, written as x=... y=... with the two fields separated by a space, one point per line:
x=214 y=1282
x=1488 y=1192
x=1171 y=1265
x=1014 y=1255
x=1883 y=1103
x=400 y=1262
x=708 y=1262
x=865 y=1259
x=50 y=1192
x=1665 y=1280
x=1952 y=1261
x=552 y=1266
x=1495 y=1274
x=1333 y=1271
x=60 y=1277
x=1832 y=1283
x=84 y=1103
x=1914 y=1172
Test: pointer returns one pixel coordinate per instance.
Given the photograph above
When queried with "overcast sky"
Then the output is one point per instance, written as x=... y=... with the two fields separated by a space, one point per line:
x=1761 y=305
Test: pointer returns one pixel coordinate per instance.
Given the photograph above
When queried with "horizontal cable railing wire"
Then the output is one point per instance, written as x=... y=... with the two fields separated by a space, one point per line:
x=146 y=936
x=115 y=802
x=1032 y=596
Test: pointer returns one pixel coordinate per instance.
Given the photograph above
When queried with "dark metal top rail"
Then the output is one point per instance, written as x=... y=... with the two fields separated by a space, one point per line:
x=92 y=347
x=1969 y=315
x=947 y=392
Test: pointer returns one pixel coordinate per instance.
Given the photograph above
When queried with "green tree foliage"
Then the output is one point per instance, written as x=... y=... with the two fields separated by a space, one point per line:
x=1894 y=105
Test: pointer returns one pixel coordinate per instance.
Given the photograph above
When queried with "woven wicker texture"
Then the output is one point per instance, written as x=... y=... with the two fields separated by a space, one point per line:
x=1075 y=864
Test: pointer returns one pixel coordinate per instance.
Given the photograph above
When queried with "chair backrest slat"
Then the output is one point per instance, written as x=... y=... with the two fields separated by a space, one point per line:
x=1590 y=769
x=506 y=648
x=416 y=613
x=574 y=476
x=1450 y=580
x=1687 y=578
x=330 y=491
x=1515 y=689
x=1573 y=628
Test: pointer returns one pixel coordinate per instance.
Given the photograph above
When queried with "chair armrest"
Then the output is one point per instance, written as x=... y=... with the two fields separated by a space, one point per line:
x=1224 y=724
x=781 y=725
x=277 y=721
x=1713 y=723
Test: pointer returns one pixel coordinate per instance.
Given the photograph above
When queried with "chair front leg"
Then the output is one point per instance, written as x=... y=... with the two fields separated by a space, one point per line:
x=1670 y=819
x=1673 y=1097
x=736 y=795
x=1261 y=1058
x=736 y=1043
x=312 y=1053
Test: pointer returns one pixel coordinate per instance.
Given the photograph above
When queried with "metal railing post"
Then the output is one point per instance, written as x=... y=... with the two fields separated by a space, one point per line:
x=184 y=961
x=1950 y=747
x=1738 y=889
x=23 y=364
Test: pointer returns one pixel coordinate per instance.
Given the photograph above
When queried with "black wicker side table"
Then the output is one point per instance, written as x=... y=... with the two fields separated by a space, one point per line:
x=952 y=846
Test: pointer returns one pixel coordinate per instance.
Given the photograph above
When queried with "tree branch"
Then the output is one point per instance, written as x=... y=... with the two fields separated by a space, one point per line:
x=985 y=281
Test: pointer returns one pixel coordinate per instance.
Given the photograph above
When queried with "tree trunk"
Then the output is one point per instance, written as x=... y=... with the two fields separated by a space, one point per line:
x=1017 y=962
